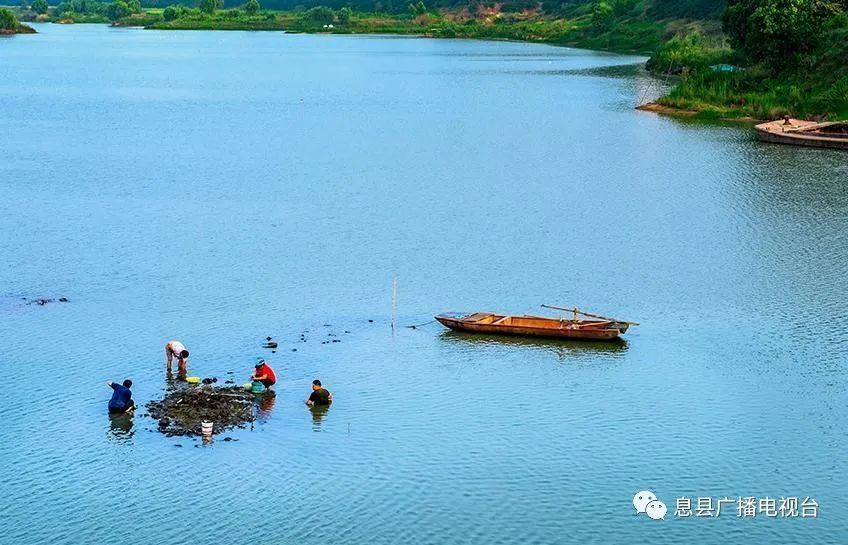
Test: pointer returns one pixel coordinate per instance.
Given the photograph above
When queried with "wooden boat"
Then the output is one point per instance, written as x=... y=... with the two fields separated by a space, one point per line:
x=592 y=327
x=832 y=134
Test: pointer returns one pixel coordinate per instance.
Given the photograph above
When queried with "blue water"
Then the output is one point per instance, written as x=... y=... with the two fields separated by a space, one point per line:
x=220 y=187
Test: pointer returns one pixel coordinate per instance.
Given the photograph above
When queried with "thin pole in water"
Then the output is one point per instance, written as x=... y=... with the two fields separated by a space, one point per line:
x=394 y=301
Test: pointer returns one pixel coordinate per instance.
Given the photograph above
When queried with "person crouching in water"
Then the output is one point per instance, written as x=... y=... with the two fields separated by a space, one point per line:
x=319 y=397
x=121 y=401
x=264 y=374
x=176 y=349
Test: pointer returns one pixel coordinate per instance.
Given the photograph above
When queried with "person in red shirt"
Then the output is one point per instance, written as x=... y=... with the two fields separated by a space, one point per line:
x=264 y=374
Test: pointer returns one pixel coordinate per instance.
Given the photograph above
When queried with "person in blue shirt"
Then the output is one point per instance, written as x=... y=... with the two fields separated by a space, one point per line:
x=121 y=401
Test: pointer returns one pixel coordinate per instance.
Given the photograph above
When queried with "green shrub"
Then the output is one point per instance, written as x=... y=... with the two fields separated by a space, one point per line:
x=172 y=12
x=118 y=9
x=344 y=15
x=319 y=15
x=8 y=21
x=209 y=6
x=603 y=17
x=687 y=53
x=252 y=7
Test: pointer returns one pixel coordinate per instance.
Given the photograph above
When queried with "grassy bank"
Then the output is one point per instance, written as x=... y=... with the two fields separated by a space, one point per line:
x=732 y=79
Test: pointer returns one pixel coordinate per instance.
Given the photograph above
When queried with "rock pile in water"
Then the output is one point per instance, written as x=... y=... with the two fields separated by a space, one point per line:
x=180 y=412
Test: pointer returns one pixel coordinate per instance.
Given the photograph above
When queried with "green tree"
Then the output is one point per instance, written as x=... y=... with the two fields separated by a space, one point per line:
x=320 y=15
x=134 y=5
x=118 y=10
x=775 y=32
x=8 y=21
x=417 y=9
x=622 y=7
x=171 y=13
x=39 y=6
x=252 y=7
x=603 y=17
x=209 y=6
x=344 y=15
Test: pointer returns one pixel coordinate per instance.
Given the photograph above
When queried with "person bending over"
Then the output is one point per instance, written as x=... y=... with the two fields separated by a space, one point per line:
x=121 y=401
x=176 y=349
x=264 y=374
x=319 y=397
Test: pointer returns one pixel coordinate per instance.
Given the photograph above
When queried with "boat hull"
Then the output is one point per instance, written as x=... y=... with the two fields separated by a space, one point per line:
x=777 y=132
x=561 y=331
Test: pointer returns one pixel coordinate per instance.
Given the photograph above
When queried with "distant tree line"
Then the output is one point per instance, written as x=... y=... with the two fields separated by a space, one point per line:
x=656 y=9
x=68 y=8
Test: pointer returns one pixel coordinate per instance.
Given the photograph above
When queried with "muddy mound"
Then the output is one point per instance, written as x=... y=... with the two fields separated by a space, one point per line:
x=180 y=412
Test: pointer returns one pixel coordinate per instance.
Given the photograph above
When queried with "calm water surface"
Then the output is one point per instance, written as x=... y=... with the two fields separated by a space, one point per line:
x=221 y=187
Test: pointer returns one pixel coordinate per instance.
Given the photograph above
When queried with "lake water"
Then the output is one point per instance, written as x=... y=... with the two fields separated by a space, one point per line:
x=219 y=187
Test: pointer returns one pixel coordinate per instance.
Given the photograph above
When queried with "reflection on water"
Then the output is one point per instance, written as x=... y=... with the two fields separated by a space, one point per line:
x=172 y=379
x=121 y=426
x=265 y=404
x=619 y=71
x=318 y=414
x=561 y=347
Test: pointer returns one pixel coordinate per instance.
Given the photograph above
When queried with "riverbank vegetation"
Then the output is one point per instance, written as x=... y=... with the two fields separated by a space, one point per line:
x=618 y=25
x=80 y=11
x=9 y=24
x=780 y=57
x=625 y=29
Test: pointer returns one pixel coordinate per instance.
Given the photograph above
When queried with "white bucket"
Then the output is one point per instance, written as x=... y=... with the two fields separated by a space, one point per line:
x=206 y=427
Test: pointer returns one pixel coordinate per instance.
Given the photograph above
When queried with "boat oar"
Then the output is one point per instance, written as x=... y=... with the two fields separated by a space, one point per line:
x=578 y=311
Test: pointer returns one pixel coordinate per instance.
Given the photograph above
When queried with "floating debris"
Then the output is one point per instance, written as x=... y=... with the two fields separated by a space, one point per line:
x=41 y=301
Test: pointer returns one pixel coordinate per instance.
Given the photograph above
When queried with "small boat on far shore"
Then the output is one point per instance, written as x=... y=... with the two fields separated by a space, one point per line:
x=592 y=327
x=830 y=134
